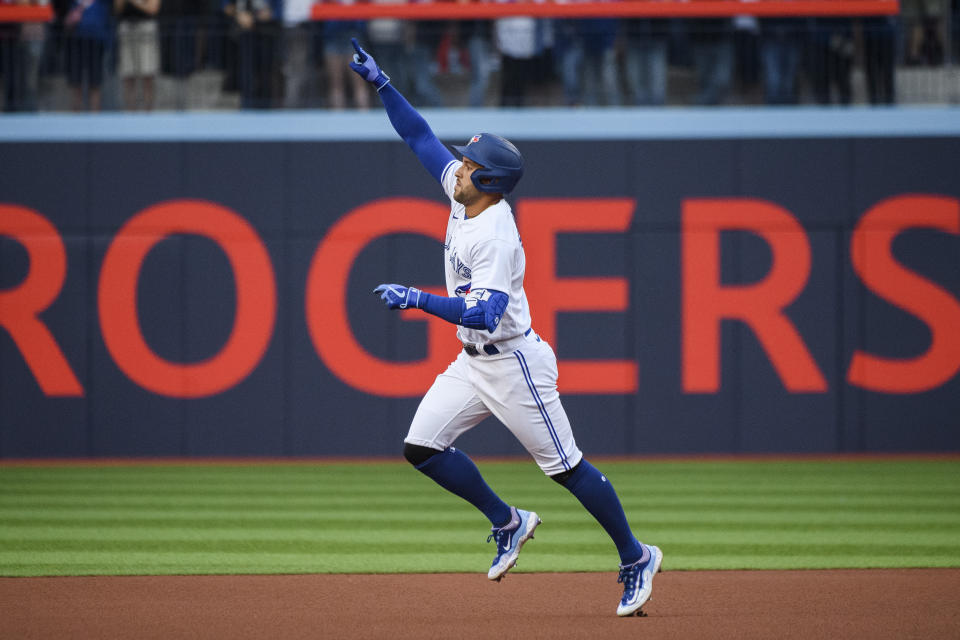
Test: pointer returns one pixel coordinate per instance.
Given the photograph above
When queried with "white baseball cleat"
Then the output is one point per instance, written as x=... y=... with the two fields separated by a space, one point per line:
x=637 y=579
x=510 y=539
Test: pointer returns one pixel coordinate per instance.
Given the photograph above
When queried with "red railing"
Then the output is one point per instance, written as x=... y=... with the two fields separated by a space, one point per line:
x=447 y=10
x=25 y=13
x=452 y=10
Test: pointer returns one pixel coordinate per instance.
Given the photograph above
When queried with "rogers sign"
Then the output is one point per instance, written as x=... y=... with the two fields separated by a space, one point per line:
x=705 y=300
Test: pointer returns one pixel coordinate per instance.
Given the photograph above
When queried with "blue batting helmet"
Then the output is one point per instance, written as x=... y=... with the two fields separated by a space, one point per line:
x=501 y=162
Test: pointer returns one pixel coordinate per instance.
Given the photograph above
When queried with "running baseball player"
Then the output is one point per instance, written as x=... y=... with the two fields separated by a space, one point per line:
x=504 y=369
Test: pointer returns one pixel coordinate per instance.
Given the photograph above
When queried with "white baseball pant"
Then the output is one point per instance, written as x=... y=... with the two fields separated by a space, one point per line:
x=518 y=386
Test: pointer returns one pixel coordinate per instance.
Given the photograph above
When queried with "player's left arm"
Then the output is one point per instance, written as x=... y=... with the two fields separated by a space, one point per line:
x=407 y=122
x=481 y=309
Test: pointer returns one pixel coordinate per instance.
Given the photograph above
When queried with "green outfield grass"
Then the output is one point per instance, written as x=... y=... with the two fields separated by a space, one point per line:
x=385 y=518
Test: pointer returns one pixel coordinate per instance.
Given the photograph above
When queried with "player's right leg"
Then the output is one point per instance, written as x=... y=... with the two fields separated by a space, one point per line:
x=638 y=562
x=637 y=579
x=450 y=408
x=521 y=390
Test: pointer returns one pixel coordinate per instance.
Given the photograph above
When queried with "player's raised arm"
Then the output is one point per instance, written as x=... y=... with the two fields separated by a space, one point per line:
x=408 y=123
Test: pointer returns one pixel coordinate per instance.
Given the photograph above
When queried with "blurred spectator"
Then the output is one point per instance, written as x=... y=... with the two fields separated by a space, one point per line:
x=89 y=31
x=255 y=31
x=711 y=41
x=588 y=61
x=879 y=54
x=21 y=49
x=746 y=56
x=182 y=25
x=392 y=39
x=521 y=41
x=568 y=56
x=645 y=60
x=299 y=54
x=924 y=26
x=139 y=50
x=32 y=41
x=337 y=53
x=955 y=31
x=780 y=56
x=831 y=59
x=9 y=64
x=476 y=36
x=422 y=63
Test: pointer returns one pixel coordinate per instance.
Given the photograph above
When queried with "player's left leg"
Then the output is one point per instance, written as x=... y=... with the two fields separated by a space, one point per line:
x=455 y=471
x=449 y=409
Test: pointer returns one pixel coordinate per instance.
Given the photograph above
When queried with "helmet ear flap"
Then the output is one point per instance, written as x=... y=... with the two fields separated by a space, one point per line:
x=485 y=182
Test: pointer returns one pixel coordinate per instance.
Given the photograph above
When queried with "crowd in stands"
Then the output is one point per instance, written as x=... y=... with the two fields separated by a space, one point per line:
x=271 y=54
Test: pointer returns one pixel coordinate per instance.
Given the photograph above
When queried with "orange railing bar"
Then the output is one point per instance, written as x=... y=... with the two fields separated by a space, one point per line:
x=447 y=10
x=25 y=13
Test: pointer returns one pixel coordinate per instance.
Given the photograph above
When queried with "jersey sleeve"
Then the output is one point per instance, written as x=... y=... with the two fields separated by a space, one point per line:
x=491 y=266
x=447 y=179
x=415 y=131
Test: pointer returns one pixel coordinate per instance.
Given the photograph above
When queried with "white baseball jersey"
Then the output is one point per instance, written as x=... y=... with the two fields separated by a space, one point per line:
x=518 y=383
x=484 y=252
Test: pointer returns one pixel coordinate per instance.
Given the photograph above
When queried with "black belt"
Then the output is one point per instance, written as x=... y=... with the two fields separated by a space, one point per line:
x=489 y=349
x=472 y=350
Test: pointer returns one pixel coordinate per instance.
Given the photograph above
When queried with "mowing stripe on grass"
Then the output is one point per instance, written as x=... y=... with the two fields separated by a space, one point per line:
x=183 y=519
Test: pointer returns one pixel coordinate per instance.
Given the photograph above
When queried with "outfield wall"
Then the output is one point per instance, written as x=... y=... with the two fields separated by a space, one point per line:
x=728 y=281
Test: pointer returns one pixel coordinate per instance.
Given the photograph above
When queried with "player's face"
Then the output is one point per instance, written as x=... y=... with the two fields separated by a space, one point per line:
x=465 y=192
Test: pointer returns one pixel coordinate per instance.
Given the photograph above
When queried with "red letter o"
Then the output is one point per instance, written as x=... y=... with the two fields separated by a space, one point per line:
x=256 y=299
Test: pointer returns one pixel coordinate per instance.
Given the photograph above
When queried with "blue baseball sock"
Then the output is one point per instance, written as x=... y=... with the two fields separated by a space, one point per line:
x=596 y=493
x=455 y=471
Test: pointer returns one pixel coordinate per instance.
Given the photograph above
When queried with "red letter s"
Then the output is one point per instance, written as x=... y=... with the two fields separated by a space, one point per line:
x=873 y=261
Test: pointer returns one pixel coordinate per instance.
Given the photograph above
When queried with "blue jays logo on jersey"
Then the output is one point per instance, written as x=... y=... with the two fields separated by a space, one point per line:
x=462 y=290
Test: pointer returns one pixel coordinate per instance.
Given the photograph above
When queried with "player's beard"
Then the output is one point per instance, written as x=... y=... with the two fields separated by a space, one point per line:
x=467 y=194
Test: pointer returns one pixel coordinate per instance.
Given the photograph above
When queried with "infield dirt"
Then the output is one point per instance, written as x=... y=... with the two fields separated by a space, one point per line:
x=913 y=603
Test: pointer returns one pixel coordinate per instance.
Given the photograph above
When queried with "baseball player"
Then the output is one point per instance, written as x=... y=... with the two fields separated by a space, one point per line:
x=504 y=369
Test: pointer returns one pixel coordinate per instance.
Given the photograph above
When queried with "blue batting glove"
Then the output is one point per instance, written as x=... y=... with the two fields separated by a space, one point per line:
x=397 y=296
x=366 y=67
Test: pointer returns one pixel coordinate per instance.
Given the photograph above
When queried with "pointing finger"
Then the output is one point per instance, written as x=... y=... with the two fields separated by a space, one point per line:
x=361 y=54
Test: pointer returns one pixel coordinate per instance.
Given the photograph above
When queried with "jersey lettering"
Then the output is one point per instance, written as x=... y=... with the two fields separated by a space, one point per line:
x=459 y=267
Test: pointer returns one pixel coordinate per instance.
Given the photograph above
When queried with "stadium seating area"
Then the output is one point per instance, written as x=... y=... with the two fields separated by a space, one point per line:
x=270 y=54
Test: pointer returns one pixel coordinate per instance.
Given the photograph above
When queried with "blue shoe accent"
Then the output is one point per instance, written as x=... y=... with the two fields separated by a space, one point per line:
x=637 y=579
x=509 y=541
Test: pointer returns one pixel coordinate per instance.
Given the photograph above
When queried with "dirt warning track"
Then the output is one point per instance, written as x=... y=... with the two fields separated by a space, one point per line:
x=913 y=603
